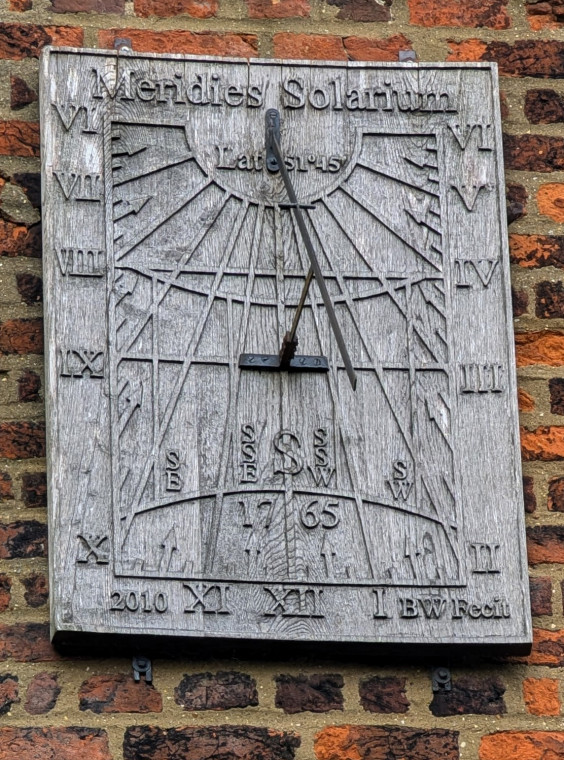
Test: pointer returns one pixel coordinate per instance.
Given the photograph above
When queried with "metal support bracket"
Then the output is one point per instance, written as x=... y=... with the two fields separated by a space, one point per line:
x=142 y=667
x=441 y=680
x=272 y=122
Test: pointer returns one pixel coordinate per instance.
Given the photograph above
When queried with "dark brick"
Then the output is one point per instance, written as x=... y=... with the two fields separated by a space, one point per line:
x=118 y=694
x=470 y=695
x=529 y=494
x=550 y=300
x=23 y=539
x=21 y=336
x=523 y=58
x=6 y=491
x=30 y=182
x=516 y=197
x=556 y=495
x=22 y=440
x=362 y=10
x=383 y=694
x=541 y=596
x=36 y=590
x=26 y=642
x=315 y=693
x=69 y=743
x=18 y=41
x=545 y=543
x=30 y=287
x=9 y=692
x=385 y=743
x=221 y=742
x=42 y=693
x=219 y=691
x=29 y=385
x=20 y=94
x=88 y=6
x=533 y=153
x=556 y=388
x=34 y=489
x=544 y=107
x=519 y=301
x=5 y=592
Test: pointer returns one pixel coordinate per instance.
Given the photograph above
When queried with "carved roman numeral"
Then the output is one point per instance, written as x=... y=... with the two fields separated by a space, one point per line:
x=69 y=111
x=77 y=361
x=484 y=558
x=211 y=599
x=464 y=133
x=78 y=186
x=81 y=262
x=93 y=545
x=294 y=601
x=481 y=378
x=479 y=270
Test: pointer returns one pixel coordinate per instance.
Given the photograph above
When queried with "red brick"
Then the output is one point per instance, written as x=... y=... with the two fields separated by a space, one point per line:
x=536 y=250
x=316 y=693
x=385 y=742
x=470 y=695
x=18 y=41
x=362 y=10
x=9 y=692
x=21 y=336
x=219 y=691
x=541 y=696
x=23 y=539
x=522 y=745
x=67 y=743
x=183 y=41
x=556 y=495
x=36 y=590
x=163 y=8
x=205 y=743
x=533 y=153
x=29 y=385
x=34 y=489
x=5 y=592
x=529 y=494
x=541 y=596
x=519 y=302
x=19 y=240
x=26 y=642
x=21 y=95
x=278 y=8
x=545 y=14
x=383 y=694
x=6 y=491
x=20 y=6
x=546 y=347
x=523 y=58
x=118 y=694
x=525 y=401
x=475 y=13
x=545 y=544
x=544 y=444
x=550 y=201
x=544 y=107
x=365 y=49
x=22 y=440
x=19 y=138
x=30 y=287
x=42 y=693
x=88 y=6
x=303 y=46
x=550 y=300
x=548 y=648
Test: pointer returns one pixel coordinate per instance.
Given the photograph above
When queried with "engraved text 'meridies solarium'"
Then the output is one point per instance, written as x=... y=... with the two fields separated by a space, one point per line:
x=191 y=496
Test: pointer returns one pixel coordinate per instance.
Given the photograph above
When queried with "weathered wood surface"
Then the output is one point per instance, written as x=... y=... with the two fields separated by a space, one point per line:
x=191 y=497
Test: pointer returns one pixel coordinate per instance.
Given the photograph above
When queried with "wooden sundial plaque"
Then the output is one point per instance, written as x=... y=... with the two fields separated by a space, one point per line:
x=197 y=488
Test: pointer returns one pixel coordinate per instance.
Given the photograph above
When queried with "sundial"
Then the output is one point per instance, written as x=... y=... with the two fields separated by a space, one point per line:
x=281 y=395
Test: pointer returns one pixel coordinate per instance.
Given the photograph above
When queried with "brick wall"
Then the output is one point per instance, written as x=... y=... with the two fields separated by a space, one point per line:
x=91 y=708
